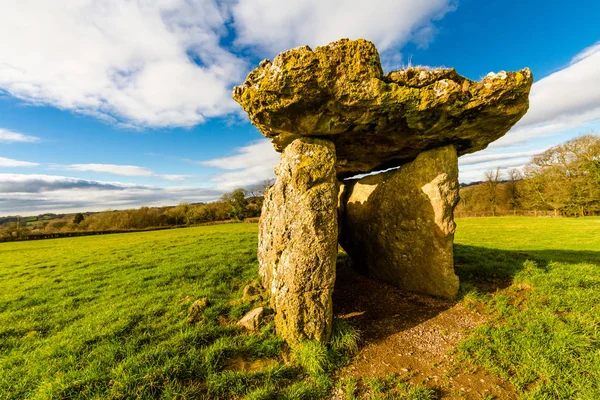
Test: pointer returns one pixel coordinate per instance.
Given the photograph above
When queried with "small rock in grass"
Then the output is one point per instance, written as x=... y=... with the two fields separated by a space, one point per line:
x=250 y=290
x=252 y=319
x=195 y=313
x=252 y=293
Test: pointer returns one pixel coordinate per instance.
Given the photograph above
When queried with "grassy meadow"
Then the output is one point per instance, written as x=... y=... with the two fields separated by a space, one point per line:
x=539 y=279
x=105 y=317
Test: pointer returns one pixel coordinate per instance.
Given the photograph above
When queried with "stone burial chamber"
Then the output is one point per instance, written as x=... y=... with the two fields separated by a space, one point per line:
x=333 y=115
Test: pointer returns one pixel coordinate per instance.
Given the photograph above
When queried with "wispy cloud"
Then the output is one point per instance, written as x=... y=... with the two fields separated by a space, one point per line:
x=477 y=158
x=120 y=170
x=123 y=170
x=473 y=166
x=174 y=178
x=587 y=52
x=506 y=164
x=7 y=136
x=256 y=153
x=36 y=183
x=248 y=165
x=8 y=162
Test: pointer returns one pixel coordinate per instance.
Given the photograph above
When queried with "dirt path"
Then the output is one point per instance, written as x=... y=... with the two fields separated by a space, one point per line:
x=411 y=335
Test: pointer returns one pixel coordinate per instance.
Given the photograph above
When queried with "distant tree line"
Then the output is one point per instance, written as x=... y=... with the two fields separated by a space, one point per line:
x=564 y=179
x=236 y=205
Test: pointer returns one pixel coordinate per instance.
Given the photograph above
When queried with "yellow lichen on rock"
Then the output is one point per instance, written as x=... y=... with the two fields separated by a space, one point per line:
x=398 y=226
x=339 y=91
x=333 y=113
x=298 y=240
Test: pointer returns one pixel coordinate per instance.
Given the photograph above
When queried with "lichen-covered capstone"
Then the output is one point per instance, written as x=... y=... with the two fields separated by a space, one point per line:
x=378 y=121
x=297 y=247
x=398 y=226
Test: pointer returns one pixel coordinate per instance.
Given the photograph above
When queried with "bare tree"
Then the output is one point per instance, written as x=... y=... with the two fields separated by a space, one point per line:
x=492 y=178
x=514 y=193
x=259 y=189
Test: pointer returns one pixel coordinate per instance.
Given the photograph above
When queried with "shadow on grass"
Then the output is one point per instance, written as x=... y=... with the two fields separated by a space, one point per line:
x=493 y=269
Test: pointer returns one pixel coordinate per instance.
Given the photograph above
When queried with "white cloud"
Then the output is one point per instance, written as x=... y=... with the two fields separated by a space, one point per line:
x=251 y=164
x=129 y=60
x=479 y=158
x=566 y=99
x=161 y=63
x=8 y=162
x=260 y=152
x=36 y=183
x=509 y=163
x=123 y=170
x=585 y=53
x=7 y=136
x=561 y=106
x=174 y=178
x=275 y=25
x=244 y=178
x=34 y=194
x=473 y=166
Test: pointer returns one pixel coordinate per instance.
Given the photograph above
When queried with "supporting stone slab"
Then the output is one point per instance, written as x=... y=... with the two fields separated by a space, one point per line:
x=297 y=247
x=399 y=226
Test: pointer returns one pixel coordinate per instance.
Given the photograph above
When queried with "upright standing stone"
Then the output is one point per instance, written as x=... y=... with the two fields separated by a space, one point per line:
x=297 y=247
x=398 y=226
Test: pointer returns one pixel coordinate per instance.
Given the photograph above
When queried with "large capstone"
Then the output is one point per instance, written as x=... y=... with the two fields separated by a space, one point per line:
x=378 y=121
x=398 y=226
x=297 y=247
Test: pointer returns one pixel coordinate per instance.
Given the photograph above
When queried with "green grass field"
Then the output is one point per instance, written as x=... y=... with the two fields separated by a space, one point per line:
x=544 y=331
x=105 y=316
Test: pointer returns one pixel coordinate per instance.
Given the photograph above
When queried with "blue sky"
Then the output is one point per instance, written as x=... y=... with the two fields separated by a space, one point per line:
x=115 y=104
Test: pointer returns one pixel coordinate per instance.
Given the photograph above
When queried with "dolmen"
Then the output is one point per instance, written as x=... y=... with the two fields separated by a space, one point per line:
x=335 y=116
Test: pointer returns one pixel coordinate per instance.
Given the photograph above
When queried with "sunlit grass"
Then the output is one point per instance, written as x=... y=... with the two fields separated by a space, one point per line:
x=104 y=317
x=544 y=331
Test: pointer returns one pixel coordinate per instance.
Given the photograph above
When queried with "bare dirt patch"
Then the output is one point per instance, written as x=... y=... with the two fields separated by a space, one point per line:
x=413 y=336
